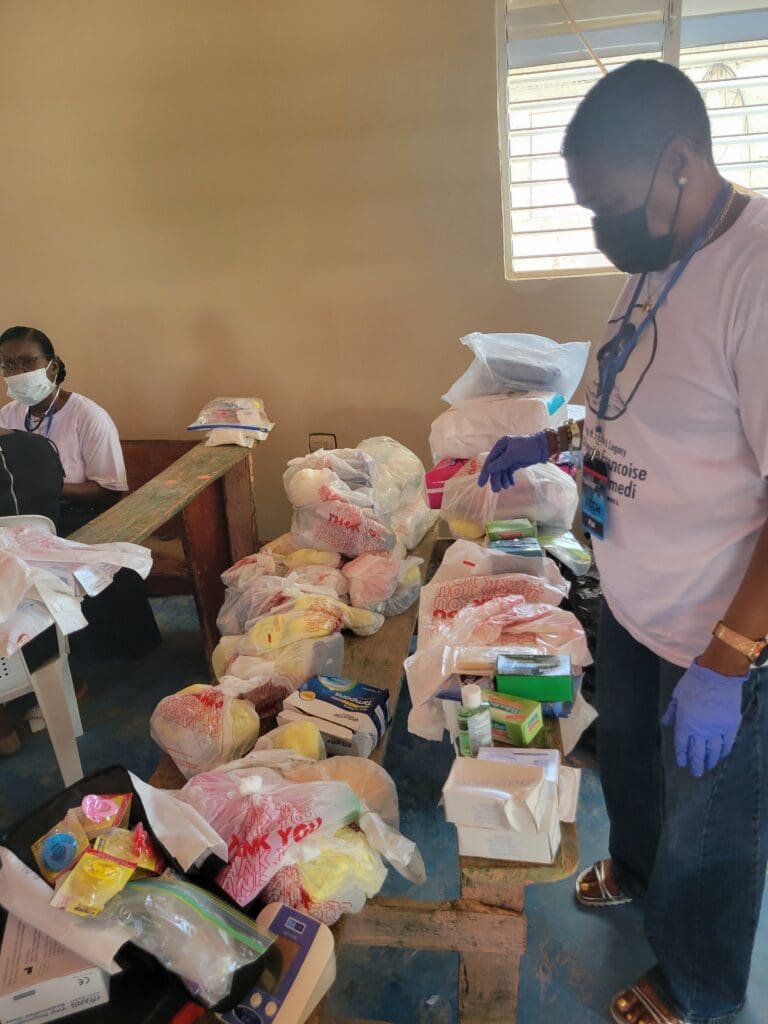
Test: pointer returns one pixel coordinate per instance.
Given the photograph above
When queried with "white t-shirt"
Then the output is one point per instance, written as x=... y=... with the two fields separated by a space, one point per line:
x=87 y=439
x=686 y=440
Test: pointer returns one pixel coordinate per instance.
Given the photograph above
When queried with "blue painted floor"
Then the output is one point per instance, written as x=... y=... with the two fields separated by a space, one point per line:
x=576 y=959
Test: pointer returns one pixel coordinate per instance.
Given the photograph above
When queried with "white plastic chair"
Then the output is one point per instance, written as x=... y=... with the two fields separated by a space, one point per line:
x=51 y=684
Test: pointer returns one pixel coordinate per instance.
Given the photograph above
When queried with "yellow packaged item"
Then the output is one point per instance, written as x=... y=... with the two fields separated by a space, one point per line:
x=302 y=737
x=97 y=813
x=134 y=847
x=57 y=851
x=309 y=616
x=224 y=653
x=91 y=883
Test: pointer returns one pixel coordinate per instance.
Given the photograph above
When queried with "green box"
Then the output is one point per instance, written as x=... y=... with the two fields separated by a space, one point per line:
x=542 y=677
x=513 y=720
x=510 y=529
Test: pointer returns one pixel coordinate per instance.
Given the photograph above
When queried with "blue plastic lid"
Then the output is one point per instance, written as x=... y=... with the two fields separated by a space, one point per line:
x=58 y=851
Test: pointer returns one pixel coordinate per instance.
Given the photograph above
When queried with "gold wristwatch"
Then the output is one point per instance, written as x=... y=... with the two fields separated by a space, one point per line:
x=755 y=650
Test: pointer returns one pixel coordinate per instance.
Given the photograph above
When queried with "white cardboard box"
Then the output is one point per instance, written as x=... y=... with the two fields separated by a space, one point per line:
x=40 y=980
x=506 y=844
x=498 y=795
x=568 y=779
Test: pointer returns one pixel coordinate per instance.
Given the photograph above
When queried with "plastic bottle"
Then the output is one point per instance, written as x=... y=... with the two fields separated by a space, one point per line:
x=474 y=718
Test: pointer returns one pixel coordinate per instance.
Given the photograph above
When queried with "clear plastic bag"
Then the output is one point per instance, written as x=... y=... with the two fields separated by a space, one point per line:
x=341 y=527
x=245 y=414
x=348 y=470
x=542 y=493
x=563 y=546
x=242 y=607
x=399 y=477
x=201 y=727
x=372 y=579
x=476 y=425
x=519 y=362
x=309 y=617
x=192 y=934
x=412 y=521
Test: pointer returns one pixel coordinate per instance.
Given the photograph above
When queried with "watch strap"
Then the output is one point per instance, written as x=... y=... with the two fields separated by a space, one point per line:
x=751 y=649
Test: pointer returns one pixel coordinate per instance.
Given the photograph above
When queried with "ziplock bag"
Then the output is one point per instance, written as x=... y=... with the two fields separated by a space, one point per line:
x=519 y=362
x=246 y=414
x=192 y=933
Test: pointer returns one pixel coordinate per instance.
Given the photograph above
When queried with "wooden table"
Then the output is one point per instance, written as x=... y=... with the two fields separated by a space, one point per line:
x=214 y=490
x=486 y=925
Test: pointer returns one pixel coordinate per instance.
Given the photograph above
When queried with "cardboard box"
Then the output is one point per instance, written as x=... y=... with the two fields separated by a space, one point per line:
x=568 y=779
x=537 y=677
x=526 y=547
x=352 y=717
x=513 y=719
x=40 y=980
x=496 y=795
x=510 y=529
x=504 y=844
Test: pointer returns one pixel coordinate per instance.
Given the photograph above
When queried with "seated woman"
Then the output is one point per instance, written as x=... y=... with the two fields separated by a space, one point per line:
x=83 y=432
x=31 y=478
x=121 y=623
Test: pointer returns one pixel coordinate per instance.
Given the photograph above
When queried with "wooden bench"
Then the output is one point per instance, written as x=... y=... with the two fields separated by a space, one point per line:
x=213 y=490
x=486 y=925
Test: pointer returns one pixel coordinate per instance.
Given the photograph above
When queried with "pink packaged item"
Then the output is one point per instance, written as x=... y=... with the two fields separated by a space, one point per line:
x=437 y=477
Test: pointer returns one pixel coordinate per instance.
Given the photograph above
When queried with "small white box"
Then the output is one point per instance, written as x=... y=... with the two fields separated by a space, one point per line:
x=505 y=844
x=40 y=980
x=498 y=795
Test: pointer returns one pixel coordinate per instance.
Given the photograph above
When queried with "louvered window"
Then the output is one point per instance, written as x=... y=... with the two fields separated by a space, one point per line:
x=548 y=60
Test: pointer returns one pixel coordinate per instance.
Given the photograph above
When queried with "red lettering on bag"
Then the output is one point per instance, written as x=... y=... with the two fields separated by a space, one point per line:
x=284 y=834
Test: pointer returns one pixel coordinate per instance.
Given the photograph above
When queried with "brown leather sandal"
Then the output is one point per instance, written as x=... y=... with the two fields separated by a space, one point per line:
x=641 y=1004
x=600 y=876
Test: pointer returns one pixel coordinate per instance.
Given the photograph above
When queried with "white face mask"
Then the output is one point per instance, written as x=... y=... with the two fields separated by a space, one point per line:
x=30 y=388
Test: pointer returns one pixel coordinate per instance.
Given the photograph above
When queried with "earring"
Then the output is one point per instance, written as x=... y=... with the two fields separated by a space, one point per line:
x=682 y=181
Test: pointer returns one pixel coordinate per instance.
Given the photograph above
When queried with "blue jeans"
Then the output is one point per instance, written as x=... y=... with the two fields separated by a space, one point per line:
x=692 y=850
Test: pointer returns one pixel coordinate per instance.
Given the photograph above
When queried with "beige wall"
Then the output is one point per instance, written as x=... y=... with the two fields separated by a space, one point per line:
x=295 y=200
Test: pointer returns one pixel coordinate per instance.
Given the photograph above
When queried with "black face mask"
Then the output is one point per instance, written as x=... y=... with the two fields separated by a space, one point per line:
x=625 y=239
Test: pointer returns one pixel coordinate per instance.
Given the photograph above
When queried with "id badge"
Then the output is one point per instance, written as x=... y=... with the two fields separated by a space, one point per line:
x=594 y=496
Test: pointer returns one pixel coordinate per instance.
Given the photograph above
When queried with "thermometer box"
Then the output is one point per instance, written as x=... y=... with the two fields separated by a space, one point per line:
x=542 y=677
x=40 y=980
x=300 y=967
x=352 y=717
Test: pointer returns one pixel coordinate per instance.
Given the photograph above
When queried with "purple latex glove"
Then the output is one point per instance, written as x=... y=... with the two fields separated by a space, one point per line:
x=706 y=712
x=510 y=454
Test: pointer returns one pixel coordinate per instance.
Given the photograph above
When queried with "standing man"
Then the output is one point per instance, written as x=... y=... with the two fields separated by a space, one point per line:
x=676 y=456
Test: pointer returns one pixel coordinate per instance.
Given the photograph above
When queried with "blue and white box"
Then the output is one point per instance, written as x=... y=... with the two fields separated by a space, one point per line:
x=352 y=717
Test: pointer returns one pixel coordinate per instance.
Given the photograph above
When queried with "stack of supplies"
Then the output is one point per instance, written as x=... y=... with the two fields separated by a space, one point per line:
x=517 y=384
x=351 y=717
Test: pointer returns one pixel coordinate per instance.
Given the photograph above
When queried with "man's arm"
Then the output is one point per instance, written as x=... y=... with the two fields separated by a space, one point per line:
x=747 y=614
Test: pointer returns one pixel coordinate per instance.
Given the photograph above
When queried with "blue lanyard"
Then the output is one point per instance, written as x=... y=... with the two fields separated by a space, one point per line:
x=614 y=355
x=51 y=412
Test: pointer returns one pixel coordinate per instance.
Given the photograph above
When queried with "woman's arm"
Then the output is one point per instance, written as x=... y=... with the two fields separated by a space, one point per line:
x=89 y=493
x=562 y=439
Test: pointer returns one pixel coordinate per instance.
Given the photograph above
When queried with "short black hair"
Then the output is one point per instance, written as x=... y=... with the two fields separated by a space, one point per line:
x=631 y=114
x=44 y=342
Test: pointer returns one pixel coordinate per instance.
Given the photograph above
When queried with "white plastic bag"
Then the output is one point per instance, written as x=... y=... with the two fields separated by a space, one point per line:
x=339 y=526
x=265 y=819
x=542 y=493
x=519 y=362
x=413 y=520
x=242 y=608
x=201 y=727
x=441 y=601
x=14 y=581
x=466 y=558
x=309 y=617
x=476 y=425
x=407 y=590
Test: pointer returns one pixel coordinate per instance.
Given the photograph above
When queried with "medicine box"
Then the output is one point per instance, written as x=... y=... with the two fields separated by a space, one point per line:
x=497 y=795
x=40 y=980
x=514 y=720
x=502 y=844
x=526 y=547
x=352 y=717
x=510 y=529
x=542 y=677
